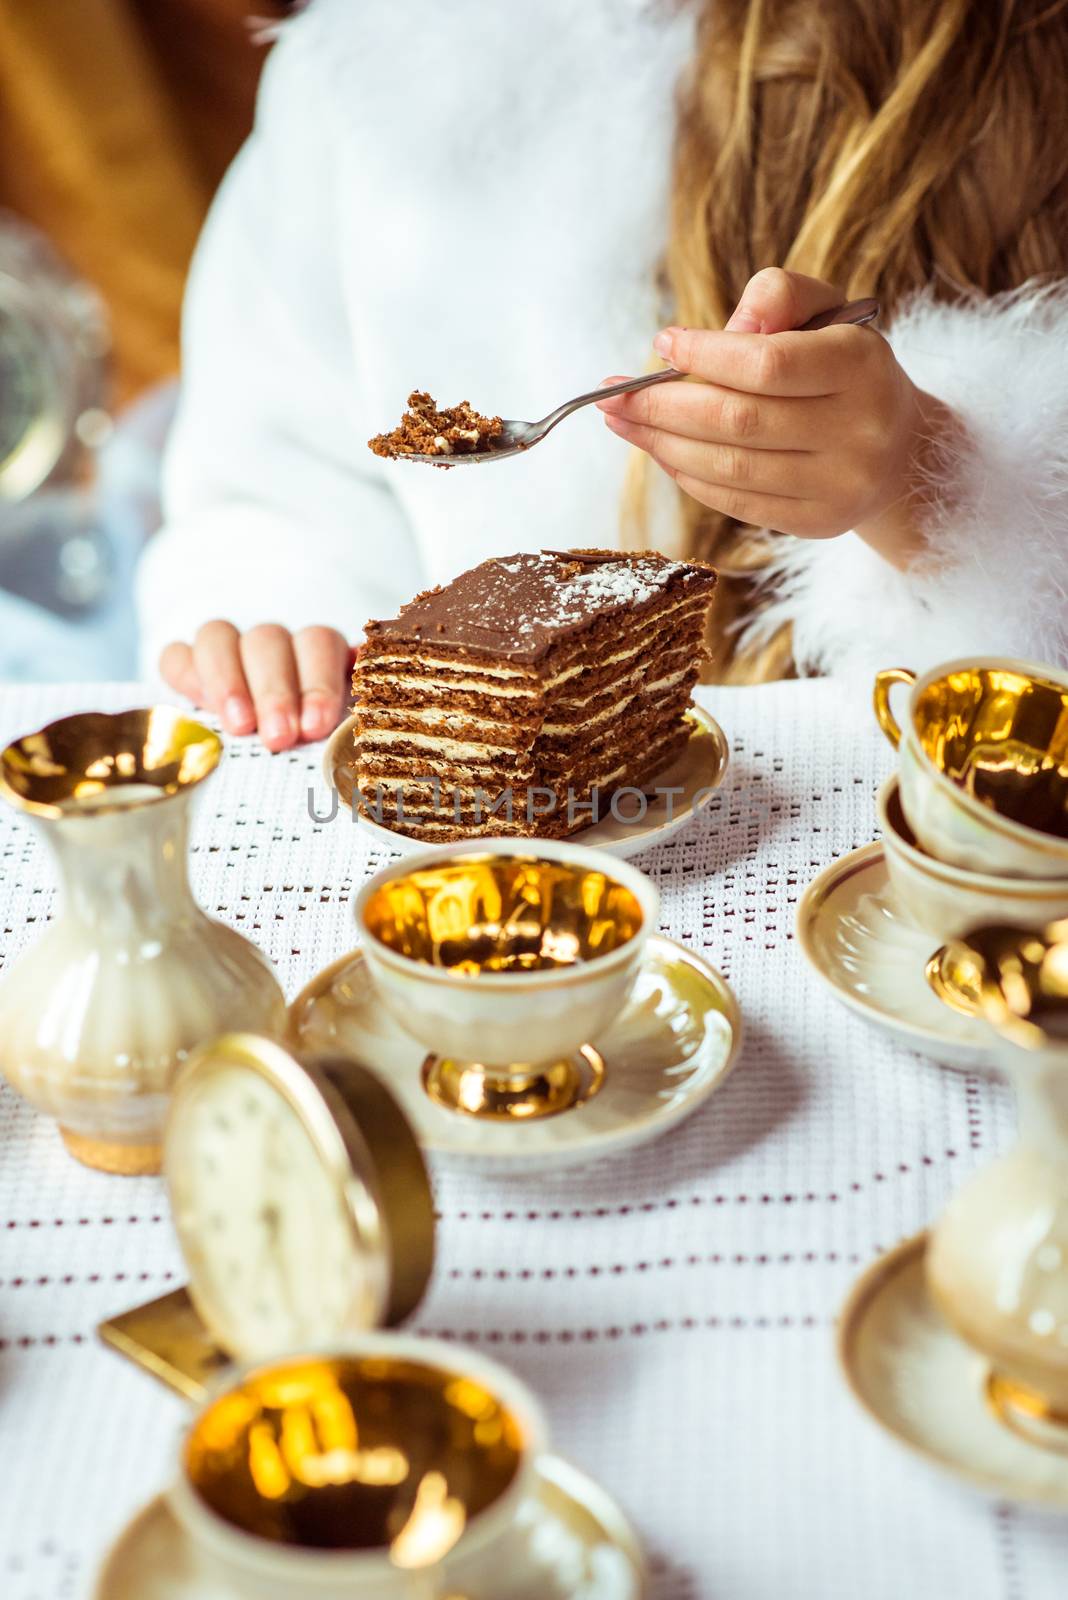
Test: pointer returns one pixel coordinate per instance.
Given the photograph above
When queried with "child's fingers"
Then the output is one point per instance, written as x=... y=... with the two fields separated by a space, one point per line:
x=217 y=658
x=706 y=411
x=800 y=517
x=796 y=363
x=775 y=299
x=176 y=669
x=322 y=663
x=789 y=473
x=271 y=673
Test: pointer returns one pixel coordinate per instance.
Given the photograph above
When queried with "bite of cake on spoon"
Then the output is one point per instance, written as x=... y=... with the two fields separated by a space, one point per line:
x=424 y=430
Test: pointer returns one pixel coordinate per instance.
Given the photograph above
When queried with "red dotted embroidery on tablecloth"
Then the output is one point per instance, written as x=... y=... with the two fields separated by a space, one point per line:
x=635 y=1330
x=671 y=1582
x=1005 y=1538
x=91 y=1277
x=577 y=1213
x=79 y=1222
x=613 y=1269
x=617 y=1269
x=973 y=1110
x=31 y=1341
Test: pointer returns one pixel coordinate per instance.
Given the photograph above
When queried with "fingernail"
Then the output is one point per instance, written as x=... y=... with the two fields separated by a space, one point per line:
x=743 y=322
x=315 y=722
x=664 y=343
x=237 y=714
x=278 y=728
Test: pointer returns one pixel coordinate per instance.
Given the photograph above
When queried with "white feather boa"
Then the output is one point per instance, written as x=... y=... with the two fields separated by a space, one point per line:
x=995 y=578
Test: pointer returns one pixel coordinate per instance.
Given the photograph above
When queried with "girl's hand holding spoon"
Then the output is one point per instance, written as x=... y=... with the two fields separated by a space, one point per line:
x=808 y=435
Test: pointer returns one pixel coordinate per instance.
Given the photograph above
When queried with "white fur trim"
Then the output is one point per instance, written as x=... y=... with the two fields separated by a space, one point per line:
x=996 y=578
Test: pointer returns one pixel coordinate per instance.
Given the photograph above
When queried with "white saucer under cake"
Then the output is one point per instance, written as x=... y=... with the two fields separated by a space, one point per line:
x=927 y=1388
x=698 y=772
x=858 y=939
x=670 y=1049
x=578 y=1536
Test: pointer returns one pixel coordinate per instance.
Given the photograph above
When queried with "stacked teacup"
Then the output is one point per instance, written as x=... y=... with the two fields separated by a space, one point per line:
x=975 y=821
x=957 y=1340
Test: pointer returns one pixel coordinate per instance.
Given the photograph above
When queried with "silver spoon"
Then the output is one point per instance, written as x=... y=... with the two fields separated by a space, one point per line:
x=515 y=437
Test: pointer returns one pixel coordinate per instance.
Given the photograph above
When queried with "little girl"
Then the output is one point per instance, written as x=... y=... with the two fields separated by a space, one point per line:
x=503 y=203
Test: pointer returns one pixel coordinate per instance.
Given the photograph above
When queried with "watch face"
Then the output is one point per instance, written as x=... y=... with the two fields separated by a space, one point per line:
x=275 y=1259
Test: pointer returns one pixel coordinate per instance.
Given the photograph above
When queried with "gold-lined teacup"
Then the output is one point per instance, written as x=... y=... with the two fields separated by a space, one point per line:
x=393 y=1470
x=983 y=764
x=997 y=1262
x=507 y=959
x=945 y=901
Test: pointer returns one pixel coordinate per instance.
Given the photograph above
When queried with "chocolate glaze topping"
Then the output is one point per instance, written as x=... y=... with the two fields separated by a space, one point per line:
x=517 y=607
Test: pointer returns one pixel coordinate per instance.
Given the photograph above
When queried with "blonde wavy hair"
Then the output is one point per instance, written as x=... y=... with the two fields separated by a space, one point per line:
x=884 y=145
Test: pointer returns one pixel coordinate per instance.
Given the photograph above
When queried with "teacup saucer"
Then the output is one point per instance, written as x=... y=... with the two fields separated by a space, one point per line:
x=672 y=1046
x=852 y=930
x=923 y=1384
x=698 y=771
x=577 y=1535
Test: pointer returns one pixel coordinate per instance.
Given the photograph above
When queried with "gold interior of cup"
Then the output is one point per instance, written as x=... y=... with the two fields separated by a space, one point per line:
x=1003 y=736
x=483 y=913
x=347 y=1453
x=1017 y=979
x=78 y=761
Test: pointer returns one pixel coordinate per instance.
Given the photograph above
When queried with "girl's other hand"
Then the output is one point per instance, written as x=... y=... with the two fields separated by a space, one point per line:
x=807 y=433
x=289 y=686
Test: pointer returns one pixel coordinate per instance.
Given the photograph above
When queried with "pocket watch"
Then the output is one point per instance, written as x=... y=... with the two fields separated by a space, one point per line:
x=302 y=1207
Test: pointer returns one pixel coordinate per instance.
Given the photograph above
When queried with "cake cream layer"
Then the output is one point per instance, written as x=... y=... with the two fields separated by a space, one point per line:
x=556 y=757
x=453 y=725
x=397 y=704
x=456 y=732
x=642 y=688
x=440 y=815
x=429 y=798
x=600 y=762
x=456 y=719
x=451 y=748
x=594 y=674
x=589 y=695
x=484 y=750
x=568 y=764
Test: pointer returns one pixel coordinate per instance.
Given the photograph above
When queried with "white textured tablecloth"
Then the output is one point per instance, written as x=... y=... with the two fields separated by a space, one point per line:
x=675 y=1309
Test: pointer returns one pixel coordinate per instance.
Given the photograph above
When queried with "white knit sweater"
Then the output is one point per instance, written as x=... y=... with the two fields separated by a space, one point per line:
x=472 y=198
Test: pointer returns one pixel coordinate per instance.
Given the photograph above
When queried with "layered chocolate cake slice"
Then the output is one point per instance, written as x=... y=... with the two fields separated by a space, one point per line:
x=533 y=684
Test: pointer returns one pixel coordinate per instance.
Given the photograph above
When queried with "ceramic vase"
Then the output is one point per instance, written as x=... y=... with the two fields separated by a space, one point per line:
x=131 y=974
